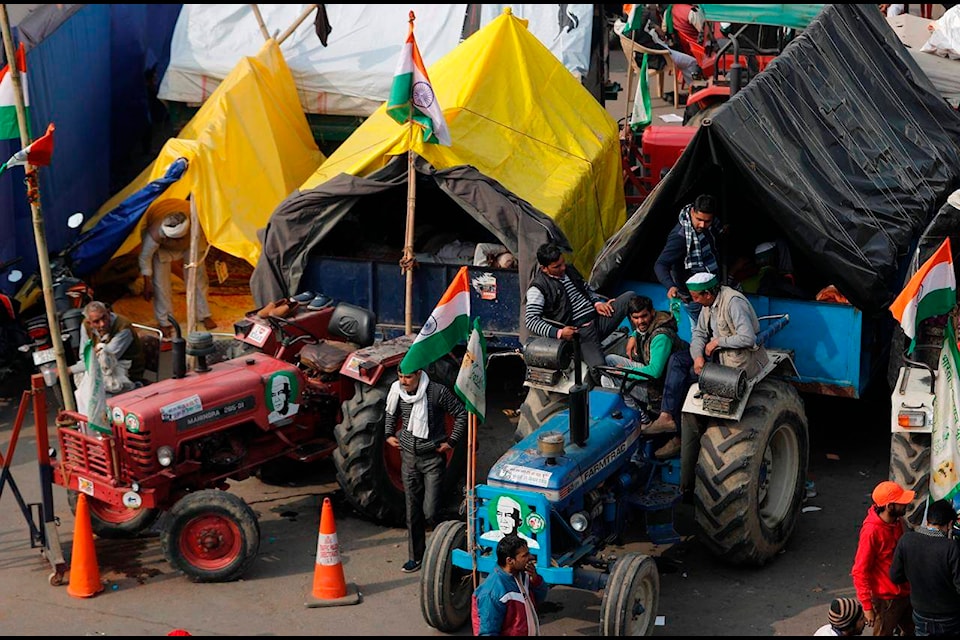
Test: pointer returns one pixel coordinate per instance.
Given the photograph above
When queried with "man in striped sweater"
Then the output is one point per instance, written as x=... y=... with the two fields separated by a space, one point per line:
x=421 y=405
x=560 y=304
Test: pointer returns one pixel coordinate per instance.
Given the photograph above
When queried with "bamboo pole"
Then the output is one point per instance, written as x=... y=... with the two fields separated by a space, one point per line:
x=303 y=16
x=259 y=17
x=628 y=110
x=408 y=255
x=39 y=232
x=471 y=494
x=191 y=267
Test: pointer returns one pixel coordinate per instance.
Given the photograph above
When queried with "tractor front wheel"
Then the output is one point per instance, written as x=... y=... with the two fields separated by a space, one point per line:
x=536 y=409
x=631 y=597
x=115 y=523
x=213 y=536
x=910 y=468
x=445 y=589
x=751 y=476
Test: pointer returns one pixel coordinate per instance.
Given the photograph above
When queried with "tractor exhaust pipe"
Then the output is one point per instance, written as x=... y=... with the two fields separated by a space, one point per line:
x=579 y=400
x=179 y=350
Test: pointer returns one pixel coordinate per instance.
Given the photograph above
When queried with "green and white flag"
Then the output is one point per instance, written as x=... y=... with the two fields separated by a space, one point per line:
x=412 y=96
x=471 y=385
x=91 y=395
x=944 y=445
x=444 y=329
x=642 y=113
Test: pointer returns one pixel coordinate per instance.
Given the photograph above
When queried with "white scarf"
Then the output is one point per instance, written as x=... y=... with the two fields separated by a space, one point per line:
x=419 y=425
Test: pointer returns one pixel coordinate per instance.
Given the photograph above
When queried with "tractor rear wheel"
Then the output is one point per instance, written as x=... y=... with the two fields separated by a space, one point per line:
x=751 y=476
x=631 y=597
x=115 y=523
x=369 y=471
x=910 y=468
x=536 y=409
x=445 y=589
x=213 y=536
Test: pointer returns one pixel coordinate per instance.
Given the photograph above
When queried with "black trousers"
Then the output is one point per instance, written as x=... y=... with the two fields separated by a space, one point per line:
x=421 y=476
x=591 y=335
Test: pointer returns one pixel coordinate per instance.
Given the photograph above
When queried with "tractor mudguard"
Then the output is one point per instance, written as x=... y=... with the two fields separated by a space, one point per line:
x=367 y=365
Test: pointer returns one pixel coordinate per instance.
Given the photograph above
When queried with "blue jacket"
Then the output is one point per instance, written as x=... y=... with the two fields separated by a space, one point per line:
x=498 y=607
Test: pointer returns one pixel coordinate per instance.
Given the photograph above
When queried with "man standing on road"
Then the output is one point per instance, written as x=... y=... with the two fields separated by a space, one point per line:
x=421 y=405
x=692 y=246
x=886 y=605
x=505 y=603
x=929 y=560
x=559 y=294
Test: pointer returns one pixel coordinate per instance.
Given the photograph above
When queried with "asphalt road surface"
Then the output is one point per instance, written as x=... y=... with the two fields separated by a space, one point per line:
x=699 y=594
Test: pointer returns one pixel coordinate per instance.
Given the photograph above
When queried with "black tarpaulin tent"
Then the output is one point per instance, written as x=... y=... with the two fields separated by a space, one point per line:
x=842 y=147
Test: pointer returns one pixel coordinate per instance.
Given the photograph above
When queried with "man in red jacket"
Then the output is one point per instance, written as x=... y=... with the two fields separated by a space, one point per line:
x=886 y=606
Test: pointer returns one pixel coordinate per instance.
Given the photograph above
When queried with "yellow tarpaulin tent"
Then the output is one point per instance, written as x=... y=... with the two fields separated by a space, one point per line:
x=520 y=117
x=248 y=147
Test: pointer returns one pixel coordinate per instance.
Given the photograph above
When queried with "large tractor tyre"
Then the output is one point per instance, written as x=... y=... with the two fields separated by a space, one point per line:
x=910 y=468
x=445 y=589
x=115 y=523
x=212 y=536
x=751 y=476
x=631 y=597
x=536 y=409
x=368 y=473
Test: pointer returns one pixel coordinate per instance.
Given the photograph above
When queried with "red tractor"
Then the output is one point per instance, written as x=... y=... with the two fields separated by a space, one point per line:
x=306 y=385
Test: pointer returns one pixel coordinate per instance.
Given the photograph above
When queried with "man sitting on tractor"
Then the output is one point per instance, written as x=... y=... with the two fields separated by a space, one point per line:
x=560 y=304
x=727 y=326
x=655 y=349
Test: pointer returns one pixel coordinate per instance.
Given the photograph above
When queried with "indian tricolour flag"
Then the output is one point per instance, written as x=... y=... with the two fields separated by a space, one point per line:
x=412 y=96
x=634 y=13
x=444 y=329
x=932 y=291
x=9 y=128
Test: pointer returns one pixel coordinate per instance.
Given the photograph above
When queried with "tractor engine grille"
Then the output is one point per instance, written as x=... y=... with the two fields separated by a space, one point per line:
x=140 y=454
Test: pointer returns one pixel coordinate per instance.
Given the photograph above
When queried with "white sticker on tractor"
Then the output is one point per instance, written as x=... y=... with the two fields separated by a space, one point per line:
x=524 y=475
x=181 y=408
x=85 y=486
x=132 y=500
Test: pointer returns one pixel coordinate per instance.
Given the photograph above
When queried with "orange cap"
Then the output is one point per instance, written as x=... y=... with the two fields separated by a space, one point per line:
x=889 y=492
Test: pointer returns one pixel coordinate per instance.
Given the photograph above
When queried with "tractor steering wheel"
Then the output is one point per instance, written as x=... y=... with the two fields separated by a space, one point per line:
x=278 y=324
x=629 y=378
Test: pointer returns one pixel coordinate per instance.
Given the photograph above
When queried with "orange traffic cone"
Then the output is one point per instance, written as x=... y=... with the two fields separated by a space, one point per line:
x=329 y=587
x=84 y=571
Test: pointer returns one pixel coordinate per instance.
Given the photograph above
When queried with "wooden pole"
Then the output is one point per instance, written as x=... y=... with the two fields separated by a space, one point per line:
x=408 y=255
x=39 y=233
x=303 y=16
x=628 y=111
x=259 y=17
x=191 y=267
x=471 y=495
x=408 y=261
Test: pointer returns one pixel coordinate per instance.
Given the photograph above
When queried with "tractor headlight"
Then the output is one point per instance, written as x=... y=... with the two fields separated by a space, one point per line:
x=580 y=521
x=165 y=456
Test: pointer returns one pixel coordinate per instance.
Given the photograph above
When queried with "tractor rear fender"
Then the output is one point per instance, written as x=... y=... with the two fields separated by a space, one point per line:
x=367 y=365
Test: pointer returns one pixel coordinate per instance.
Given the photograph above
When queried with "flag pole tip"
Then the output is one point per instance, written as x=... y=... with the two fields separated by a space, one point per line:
x=508 y=11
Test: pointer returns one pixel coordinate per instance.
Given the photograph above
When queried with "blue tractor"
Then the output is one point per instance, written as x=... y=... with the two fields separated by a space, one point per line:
x=569 y=487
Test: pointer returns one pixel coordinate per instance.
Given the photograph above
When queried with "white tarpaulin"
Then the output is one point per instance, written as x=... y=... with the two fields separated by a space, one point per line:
x=934 y=59
x=353 y=73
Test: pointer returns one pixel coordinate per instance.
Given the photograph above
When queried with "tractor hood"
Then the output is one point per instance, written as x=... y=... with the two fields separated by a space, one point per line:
x=613 y=439
x=263 y=389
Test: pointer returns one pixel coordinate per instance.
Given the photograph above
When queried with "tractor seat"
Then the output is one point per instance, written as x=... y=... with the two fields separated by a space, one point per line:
x=326 y=356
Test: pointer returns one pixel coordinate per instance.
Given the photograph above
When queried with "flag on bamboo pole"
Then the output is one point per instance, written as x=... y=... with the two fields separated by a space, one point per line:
x=37 y=153
x=444 y=329
x=471 y=385
x=9 y=125
x=642 y=113
x=412 y=96
x=932 y=291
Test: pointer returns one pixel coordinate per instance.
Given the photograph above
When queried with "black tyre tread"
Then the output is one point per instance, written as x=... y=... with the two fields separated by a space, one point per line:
x=114 y=530
x=439 y=578
x=222 y=503
x=910 y=468
x=358 y=457
x=536 y=409
x=616 y=609
x=727 y=509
